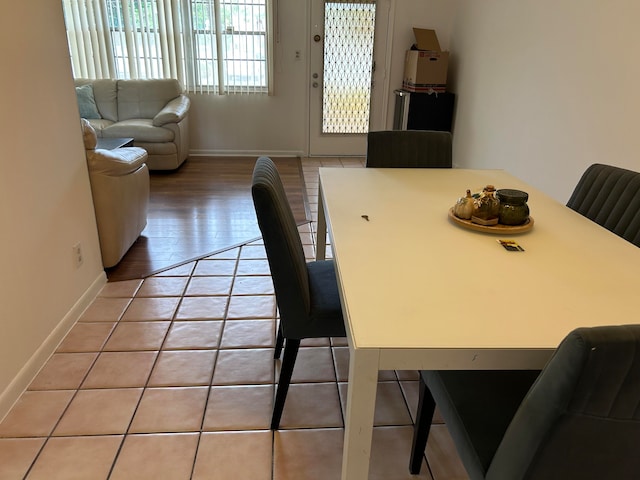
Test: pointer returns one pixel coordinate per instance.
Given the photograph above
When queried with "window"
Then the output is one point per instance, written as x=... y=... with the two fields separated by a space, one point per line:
x=218 y=46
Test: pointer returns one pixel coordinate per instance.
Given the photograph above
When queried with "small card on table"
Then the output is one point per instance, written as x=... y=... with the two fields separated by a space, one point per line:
x=511 y=245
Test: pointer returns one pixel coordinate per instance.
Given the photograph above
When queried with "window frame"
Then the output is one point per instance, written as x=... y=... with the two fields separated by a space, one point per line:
x=223 y=50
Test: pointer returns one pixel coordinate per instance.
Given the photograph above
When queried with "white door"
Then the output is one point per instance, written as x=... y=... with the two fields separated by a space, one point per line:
x=341 y=63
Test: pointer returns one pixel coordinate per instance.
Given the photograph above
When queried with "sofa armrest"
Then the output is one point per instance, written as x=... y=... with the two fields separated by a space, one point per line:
x=173 y=112
x=116 y=163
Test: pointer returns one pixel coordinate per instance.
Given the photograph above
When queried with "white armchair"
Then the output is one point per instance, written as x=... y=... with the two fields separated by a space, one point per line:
x=154 y=112
x=120 y=189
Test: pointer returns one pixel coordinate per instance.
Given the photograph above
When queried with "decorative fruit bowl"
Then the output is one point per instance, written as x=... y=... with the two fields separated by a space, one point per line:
x=494 y=211
x=497 y=228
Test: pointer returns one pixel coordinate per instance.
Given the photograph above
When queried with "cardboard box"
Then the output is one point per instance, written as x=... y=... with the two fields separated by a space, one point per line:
x=425 y=69
x=426 y=40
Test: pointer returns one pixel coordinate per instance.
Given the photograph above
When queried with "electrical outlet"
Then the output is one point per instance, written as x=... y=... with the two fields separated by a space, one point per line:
x=298 y=56
x=78 y=258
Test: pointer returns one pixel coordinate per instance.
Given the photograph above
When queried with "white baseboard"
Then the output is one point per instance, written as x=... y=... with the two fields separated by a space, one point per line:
x=29 y=371
x=247 y=153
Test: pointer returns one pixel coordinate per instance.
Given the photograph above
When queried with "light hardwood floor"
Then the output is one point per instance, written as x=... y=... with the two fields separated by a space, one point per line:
x=172 y=377
x=203 y=207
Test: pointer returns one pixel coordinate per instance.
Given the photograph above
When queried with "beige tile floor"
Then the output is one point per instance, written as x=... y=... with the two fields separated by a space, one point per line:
x=172 y=377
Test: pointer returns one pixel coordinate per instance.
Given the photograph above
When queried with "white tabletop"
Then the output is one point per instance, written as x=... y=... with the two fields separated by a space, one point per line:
x=420 y=292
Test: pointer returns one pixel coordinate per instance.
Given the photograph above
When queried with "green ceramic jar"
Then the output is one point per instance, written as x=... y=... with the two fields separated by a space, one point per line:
x=513 y=206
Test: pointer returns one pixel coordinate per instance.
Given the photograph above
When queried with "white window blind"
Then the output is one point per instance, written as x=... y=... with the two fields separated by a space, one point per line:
x=210 y=46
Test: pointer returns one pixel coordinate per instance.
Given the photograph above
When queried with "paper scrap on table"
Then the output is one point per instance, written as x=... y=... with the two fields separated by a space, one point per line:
x=511 y=245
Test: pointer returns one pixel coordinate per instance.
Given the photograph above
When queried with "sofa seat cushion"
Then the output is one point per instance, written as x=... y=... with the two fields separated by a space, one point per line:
x=141 y=129
x=154 y=148
x=116 y=163
x=99 y=124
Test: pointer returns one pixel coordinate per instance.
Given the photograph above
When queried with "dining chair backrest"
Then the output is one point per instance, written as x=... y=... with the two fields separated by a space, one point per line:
x=306 y=292
x=409 y=149
x=610 y=196
x=581 y=418
x=281 y=241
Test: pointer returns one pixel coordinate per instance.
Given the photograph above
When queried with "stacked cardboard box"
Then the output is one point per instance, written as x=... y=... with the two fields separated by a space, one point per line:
x=425 y=66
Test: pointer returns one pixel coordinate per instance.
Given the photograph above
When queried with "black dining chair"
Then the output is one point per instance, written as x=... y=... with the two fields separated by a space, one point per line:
x=610 y=196
x=579 y=420
x=306 y=292
x=409 y=149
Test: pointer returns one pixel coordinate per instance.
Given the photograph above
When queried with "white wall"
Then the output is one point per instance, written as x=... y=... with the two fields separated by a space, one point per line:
x=546 y=87
x=237 y=125
x=272 y=125
x=45 y=198
x=436 y=15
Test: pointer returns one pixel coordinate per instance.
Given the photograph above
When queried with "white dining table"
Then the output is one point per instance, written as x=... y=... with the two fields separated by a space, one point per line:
x=420 y=292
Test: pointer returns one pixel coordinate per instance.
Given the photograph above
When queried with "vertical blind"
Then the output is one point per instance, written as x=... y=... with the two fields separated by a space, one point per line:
x=210 y=46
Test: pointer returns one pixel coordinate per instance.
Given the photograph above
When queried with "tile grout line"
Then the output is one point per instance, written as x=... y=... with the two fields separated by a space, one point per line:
x=309 y=236
x=215 y=362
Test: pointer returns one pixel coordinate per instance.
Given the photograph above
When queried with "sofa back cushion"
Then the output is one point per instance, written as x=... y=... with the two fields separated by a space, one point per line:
x=104 y=94
x=145 y=98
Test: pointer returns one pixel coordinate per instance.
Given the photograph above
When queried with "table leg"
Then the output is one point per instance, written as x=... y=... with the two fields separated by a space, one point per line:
x=361 y=402
x=321 y=234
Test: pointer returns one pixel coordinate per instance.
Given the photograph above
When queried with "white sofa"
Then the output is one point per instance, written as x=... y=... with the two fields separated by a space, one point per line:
x=154 y=112
x=120 y=190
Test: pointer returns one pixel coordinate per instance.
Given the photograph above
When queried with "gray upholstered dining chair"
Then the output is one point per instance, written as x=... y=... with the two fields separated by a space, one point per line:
x=306 y=292
x=409 y=149
x=579 y=420
x=610 y=196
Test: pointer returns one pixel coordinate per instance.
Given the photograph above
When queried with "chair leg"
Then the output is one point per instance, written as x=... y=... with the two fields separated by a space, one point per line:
x=288 y=362
x=424 y=417
x=279 y=343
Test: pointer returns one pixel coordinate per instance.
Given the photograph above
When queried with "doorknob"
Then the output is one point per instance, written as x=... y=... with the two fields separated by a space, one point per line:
x=317 y=38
